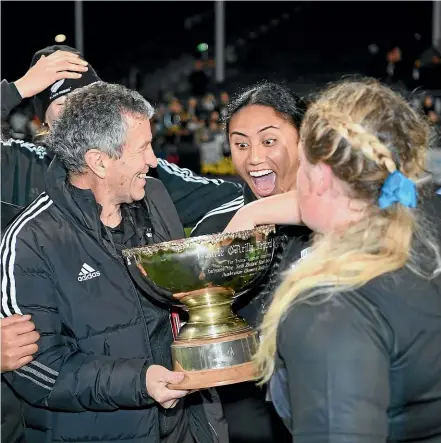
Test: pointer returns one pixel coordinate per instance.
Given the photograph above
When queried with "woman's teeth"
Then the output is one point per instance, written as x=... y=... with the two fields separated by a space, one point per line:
x=261 y=173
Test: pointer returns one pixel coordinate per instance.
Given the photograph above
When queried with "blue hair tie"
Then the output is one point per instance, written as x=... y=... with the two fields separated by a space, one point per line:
x=398 y=189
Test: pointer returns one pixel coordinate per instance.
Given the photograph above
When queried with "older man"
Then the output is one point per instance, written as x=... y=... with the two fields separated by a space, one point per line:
x=102 y=368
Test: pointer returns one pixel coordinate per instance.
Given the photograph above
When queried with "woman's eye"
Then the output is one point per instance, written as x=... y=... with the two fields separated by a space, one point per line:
x=241 y=145
x=269 y=142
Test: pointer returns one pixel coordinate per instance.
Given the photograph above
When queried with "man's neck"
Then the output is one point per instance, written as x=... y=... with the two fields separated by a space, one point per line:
x=111 y=211
x=111 y=215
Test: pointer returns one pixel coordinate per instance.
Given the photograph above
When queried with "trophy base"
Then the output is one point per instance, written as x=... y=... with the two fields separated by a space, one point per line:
x=215 y=362
x=215 y=377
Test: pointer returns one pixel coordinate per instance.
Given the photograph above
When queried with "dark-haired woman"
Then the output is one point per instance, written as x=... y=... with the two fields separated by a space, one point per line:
x=262 y=125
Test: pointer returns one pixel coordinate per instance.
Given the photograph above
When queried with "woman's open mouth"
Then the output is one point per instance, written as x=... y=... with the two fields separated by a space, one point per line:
x=264 y=181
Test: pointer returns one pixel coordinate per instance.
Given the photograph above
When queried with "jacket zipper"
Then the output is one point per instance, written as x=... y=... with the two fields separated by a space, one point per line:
x=127 y=276
x=214 y=430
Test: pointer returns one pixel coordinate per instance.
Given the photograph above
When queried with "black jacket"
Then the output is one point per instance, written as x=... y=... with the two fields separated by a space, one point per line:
x=363 y=367
x=99 y=334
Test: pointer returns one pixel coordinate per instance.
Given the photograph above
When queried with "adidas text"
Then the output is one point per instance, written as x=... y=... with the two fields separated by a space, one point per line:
x=87 y=272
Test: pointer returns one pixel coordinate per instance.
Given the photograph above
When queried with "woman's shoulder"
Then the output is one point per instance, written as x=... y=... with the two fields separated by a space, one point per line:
x=340 y=322
x=389 y=311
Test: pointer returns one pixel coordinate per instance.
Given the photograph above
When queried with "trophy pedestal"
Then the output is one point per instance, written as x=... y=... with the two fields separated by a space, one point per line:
x=215 y=362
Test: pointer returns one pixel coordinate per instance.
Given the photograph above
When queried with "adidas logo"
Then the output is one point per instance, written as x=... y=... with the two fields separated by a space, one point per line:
x=87 y=272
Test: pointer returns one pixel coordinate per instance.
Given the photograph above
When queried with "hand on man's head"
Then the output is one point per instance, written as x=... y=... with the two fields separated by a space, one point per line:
x=47 y=70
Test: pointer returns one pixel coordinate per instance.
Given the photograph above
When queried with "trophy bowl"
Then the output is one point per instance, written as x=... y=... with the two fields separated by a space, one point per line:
x=204 y=275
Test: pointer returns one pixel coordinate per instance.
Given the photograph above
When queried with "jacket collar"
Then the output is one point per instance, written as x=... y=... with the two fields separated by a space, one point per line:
x=248 y=195
x=76 y=204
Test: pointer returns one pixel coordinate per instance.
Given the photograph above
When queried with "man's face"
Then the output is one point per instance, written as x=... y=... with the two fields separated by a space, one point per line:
x=126 y=176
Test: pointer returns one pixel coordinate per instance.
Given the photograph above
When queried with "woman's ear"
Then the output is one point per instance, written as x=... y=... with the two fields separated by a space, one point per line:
x=321 y=178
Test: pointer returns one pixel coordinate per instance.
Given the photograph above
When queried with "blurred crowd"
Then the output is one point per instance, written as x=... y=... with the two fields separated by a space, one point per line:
x=419 y=74
x=189 y=132
x=188 y=128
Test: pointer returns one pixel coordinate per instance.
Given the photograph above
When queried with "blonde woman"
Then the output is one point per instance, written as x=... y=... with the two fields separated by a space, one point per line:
x=351 y=343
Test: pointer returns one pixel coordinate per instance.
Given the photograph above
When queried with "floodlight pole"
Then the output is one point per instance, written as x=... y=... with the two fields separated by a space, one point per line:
x=436 y=24
x=219 y=40
x=79 y=29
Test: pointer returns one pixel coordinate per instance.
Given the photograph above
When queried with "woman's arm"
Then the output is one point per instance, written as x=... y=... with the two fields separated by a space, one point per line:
x=47 y=70
x=279 y=209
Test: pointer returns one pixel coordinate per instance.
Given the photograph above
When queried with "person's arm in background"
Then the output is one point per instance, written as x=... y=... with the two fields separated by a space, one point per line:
x=194 y=196
x=336 y=357
x=281 y=209
x=47 y=70
x=24 y=164
x=10 y=98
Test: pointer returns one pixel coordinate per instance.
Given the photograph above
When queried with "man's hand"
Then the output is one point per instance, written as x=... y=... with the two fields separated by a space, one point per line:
x=60 y=64
x=18 y=338
x=157 y=378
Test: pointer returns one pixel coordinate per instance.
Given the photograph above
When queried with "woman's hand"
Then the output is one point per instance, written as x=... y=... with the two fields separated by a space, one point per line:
x=60 y=64
x=244 y=219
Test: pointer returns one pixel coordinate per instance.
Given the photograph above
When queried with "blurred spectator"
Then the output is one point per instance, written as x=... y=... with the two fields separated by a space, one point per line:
x=429 y=109
x=198 y=79
x=192 y=106
x=391 y=67
x=224 y=99
x=212 y=143
x=430 y=73
x=209 y=102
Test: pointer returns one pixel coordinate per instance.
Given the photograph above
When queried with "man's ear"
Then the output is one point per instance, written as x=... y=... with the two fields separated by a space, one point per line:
x=98 y=162
x=321 y=178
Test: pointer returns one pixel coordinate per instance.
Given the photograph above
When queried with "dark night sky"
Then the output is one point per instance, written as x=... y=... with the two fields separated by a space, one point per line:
x=120 y=33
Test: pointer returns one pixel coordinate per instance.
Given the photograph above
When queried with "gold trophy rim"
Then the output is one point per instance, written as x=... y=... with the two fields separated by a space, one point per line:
x=182 y=244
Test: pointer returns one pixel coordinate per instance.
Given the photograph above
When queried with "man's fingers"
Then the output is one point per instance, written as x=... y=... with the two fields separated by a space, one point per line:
x=27 y=339
x=18 y=328
x=170 y=404
x=24 y=361
x=14 y=319
x=25 y=351
x=173 y=394
x=172 y=377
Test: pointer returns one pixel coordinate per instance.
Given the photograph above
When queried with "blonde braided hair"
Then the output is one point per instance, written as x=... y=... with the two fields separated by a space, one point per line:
x=357 y=136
